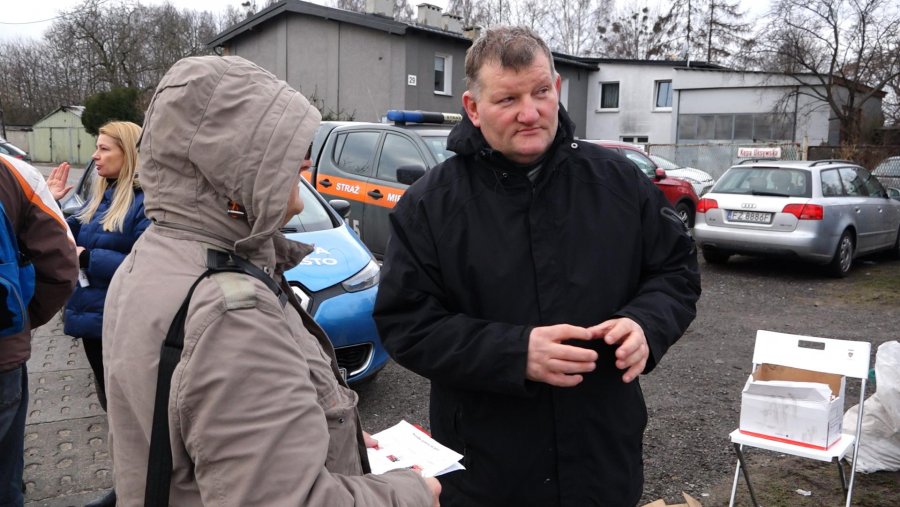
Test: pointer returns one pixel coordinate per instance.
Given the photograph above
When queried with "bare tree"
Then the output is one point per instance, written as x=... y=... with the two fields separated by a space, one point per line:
x=466 y=9
x=533 y=14
x=350 y=5
x=709 y=30
x=639 y=34
x=571 y=26
x=850 y=49
x=95 y=47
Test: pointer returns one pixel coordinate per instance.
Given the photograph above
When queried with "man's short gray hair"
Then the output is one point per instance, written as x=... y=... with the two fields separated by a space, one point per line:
x=513 y=47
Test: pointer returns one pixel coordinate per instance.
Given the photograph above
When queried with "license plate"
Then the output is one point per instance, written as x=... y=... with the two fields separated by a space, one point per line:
x=753 y=217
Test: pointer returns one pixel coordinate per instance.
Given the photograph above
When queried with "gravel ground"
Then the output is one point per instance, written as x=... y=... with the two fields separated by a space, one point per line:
x=693 y=397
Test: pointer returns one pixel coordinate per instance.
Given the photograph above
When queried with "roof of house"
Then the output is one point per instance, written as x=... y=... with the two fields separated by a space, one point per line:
x=663 y=63
x=373 y=21
x=76 y=110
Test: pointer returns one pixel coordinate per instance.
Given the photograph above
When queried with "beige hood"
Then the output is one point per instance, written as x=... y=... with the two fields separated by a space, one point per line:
x=222 y=129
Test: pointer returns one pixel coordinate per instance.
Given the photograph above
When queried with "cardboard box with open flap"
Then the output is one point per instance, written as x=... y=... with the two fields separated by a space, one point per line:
x=793 y=405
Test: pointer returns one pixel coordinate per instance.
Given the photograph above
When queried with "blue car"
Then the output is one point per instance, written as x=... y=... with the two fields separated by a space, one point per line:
x=336 y=283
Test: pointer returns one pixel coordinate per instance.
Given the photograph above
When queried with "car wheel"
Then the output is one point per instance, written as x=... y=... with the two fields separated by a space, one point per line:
x=843 y=257
x=685 y=213
x=715 y=256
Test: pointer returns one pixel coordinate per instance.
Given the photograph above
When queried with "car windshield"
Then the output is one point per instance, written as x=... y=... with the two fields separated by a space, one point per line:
x=768 y=181
x=314 y=216
x=438 y=147
x=665 y=163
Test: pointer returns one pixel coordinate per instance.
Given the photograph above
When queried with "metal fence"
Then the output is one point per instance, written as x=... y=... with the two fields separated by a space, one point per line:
x=717 y=158
x=865 y=155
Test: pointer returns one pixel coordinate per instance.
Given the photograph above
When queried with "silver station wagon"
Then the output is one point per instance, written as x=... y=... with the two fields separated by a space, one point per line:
x=825 y=211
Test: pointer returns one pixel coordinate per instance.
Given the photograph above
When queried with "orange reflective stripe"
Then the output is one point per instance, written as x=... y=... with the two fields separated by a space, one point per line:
x=390 y=196
x=354 y=190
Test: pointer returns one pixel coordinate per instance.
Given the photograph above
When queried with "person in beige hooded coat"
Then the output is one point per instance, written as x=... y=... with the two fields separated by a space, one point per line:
x=258 y=413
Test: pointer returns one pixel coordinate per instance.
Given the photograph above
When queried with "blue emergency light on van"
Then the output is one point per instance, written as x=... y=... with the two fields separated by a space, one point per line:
x=401 y=117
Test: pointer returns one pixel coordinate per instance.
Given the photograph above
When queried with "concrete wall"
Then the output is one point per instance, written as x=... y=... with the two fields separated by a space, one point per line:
x=354 y=70
x=347 y=69
x=700 y=91
x=574 y=97
x=636 y=114
x=421 y=48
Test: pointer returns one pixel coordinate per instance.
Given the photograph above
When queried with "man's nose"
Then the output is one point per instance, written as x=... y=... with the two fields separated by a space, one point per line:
x=528 y=112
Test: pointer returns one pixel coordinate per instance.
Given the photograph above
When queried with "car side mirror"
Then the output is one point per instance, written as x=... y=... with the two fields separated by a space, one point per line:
x=660 y=173
x=341 y=206
x=894 y=193
x=409 y=174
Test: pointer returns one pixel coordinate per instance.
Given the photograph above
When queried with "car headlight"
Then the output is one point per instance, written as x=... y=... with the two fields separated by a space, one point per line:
x=692 y=181
x=368 y=276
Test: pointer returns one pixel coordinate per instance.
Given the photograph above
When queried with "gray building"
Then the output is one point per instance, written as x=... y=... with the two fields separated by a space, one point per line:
x=359 y=65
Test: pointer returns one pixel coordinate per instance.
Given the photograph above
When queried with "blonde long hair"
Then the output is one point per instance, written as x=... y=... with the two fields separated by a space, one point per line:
x=126 y=135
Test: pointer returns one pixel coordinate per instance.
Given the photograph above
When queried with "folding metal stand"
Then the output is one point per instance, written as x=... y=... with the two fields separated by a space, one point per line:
x=848 y=358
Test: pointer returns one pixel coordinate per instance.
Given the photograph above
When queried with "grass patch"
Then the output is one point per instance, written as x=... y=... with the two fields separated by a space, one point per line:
x=871 y=282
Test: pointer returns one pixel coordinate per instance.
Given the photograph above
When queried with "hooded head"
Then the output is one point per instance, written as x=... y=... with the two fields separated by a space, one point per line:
x=222 y=133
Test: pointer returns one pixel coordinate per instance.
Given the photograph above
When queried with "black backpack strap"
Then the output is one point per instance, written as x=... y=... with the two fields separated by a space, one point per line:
x=159 y=465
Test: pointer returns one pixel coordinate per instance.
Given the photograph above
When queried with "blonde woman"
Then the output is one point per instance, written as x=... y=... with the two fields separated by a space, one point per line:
x=105 y=229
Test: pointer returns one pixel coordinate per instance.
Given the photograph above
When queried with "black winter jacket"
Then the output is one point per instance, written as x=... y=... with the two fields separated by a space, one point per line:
x=478 y=256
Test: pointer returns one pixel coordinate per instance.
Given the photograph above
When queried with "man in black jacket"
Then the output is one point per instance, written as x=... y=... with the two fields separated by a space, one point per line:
x=532 y=278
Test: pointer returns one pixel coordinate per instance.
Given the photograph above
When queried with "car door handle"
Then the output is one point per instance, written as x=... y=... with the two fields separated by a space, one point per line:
x=325 y=183
x=375 y=194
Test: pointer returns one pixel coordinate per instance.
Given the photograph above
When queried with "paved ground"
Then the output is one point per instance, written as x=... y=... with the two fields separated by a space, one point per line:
x=66 y=457
x=66 y=454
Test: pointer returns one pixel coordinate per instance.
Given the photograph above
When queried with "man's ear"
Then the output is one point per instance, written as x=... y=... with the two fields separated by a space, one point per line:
x=558 y=85
x=471 y=107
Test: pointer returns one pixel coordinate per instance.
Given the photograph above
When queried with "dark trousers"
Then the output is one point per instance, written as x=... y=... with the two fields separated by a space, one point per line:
x=13 y=407
x=93 y=349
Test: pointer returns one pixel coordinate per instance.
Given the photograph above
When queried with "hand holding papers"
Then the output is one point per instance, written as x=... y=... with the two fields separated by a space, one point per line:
x=405 y=446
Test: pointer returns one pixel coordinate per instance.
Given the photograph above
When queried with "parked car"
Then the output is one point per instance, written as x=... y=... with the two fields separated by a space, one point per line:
x=702 y=181
x=827 y=211
x=14 y=151
x=679 y=192
x=336 y=283
x=371 y=165
x=888 y=172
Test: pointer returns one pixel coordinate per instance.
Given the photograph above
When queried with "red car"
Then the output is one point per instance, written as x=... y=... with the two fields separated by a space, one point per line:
x=679 y=192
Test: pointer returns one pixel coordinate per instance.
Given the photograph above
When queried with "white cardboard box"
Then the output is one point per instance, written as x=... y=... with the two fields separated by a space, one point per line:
x=793 y=405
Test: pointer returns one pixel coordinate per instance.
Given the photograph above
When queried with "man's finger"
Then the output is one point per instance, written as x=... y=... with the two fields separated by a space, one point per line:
x=569 y=367
x=572 y=353
x=633 y=372
x=560 y=380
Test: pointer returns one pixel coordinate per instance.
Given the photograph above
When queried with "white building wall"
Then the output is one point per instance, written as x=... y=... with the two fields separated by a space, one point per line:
x=718 y=92
x=636 y=115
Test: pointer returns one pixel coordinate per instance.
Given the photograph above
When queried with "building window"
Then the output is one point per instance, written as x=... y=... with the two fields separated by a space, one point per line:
x=609 y=95
x=736 y=127
x=635 y=139
x=564 y=93
x=663 y=94
x=443 y=64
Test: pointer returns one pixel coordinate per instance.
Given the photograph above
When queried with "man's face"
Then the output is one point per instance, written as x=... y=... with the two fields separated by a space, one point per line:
x=517 y=111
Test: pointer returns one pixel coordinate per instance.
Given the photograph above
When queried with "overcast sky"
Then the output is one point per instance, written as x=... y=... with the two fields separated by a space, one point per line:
x=30 y=18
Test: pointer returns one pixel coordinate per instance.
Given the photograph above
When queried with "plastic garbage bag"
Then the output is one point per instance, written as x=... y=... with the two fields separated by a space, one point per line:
x=879 y=444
